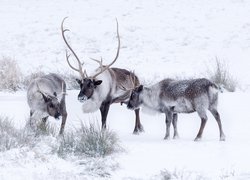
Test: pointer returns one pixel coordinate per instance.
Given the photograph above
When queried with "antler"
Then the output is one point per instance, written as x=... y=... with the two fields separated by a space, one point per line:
x=44 y=94
x=102 y=67
x=63 y=89
x=83 y=74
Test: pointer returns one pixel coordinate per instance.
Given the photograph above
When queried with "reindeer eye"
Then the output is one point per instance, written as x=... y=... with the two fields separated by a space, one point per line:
x=89 y=84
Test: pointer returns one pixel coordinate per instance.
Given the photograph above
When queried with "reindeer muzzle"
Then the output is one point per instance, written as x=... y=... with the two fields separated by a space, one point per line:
x=57 y=115
x=82 y=99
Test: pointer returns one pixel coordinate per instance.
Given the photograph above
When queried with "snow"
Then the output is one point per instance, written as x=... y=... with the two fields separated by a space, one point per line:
x=159 y=38
x=147 y=154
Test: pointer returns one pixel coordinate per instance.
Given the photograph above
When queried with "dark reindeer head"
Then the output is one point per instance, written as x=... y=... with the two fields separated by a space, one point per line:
x=52 y=104
x=87 y=84
x=135 y=100
x=87 y=88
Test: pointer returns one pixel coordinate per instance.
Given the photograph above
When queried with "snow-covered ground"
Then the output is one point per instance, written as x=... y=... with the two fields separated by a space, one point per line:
x=159 y=38
x=147 y=154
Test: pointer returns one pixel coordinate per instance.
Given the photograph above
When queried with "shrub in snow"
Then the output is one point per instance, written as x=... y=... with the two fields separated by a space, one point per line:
x=8 y=134
x=85 y=147
x=166 y=175
x=41 y=128
x=95 y=142
x=10 y=74
x=179 y=175
x=67 y=145
x=89 y=141
x=10 y=137
x=220 y=76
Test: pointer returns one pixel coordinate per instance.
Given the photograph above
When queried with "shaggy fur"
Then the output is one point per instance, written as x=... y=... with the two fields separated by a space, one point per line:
x=46 y=97
x=171 y=97
x=108 y=92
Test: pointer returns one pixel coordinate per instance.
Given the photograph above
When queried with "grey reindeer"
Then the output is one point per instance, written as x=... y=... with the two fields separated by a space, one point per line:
x=179 y=96
x=102 y=89
x=46 y=97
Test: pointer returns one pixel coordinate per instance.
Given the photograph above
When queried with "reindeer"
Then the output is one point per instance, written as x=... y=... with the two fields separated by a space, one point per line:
x=184 y=96
x=46 y=97
x=102 y=89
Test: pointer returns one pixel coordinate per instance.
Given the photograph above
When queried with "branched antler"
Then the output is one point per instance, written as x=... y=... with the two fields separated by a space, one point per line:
x=79 y=69
x=102 y=67
x=100 y=62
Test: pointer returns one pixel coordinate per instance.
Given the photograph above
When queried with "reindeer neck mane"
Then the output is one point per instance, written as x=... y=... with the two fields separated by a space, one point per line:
x=150 y=97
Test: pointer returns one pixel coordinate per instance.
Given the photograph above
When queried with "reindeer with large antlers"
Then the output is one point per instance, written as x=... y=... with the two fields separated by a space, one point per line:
x=103 y=88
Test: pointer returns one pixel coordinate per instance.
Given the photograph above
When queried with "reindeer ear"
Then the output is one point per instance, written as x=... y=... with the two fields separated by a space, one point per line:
x=46 y=98
x=96 y=83
x=79 y=81
x=140 y=88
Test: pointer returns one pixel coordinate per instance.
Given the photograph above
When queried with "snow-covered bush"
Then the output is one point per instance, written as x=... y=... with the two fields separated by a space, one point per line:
x=10 y=74
x=95 y=142
x=13 y=79
x=11 y=137
x=179 y=175
x=220 y=76
x=8 y=134
x=89 y=141
x=42 y=129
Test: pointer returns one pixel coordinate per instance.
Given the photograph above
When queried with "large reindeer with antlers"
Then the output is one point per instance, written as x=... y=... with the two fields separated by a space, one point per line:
x=103 y=88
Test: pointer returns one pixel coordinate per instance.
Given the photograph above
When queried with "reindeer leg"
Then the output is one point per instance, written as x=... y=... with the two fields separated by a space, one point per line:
x=104 y=112
x=31 y=113
x=174 y=122
x=64 y=116
x=217 y=117
x=203 y=117
x=169 y=116
x=31 y=120
x=138 y=126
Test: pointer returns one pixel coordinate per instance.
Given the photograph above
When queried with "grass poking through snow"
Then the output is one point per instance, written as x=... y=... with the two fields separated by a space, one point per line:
x=90 y=141
x=221 y=76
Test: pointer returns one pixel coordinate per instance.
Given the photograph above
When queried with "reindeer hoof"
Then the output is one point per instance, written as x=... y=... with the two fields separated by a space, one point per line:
x=166 y=138
x=141 y=129
x=176 y=137
x=197 y=139
x=136 y=132
x=222 y=138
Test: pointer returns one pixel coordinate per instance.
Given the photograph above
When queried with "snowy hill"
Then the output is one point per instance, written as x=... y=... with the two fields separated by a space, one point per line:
x=182 y=37
x=159 y=38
